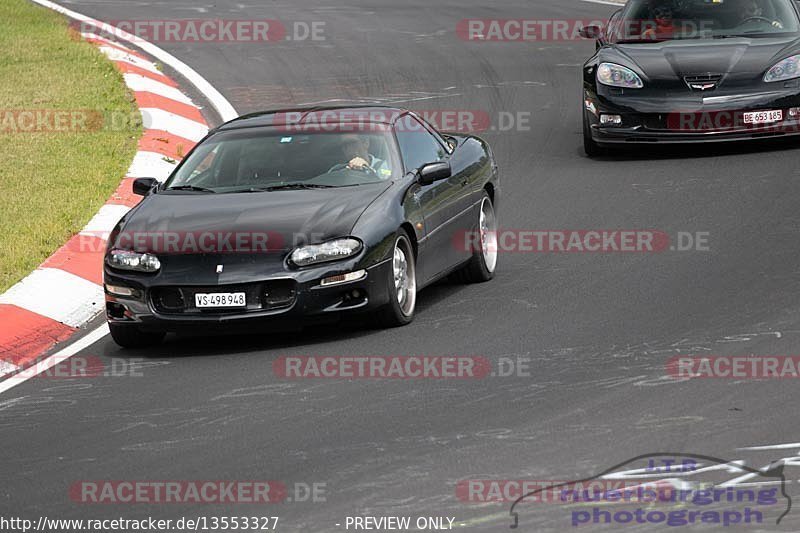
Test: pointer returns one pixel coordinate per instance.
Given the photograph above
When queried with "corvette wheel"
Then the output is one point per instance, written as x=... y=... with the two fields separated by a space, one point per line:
x=483 y=262
x=402 y=285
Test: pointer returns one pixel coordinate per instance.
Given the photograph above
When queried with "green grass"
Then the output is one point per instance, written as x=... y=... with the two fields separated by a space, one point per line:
x=52 y=183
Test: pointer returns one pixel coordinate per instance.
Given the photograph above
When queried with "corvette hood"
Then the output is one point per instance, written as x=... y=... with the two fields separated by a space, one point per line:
x=734 y=58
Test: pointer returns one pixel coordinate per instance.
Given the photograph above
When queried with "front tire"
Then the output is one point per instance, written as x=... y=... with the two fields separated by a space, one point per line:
x=401 y=285
x=483 y=263
x=133 y=337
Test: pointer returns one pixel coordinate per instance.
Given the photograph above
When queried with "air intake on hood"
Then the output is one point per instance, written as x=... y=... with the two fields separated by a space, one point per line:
x=703 y=82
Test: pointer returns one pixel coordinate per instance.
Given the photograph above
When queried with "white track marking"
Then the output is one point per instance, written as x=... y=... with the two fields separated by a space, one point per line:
x=105 y=219
x=220 y=103
x=774 y=447
x=115 y=54
x=89 y=35
x=62 y=355
x=139 y=83
x=604 y=2
x=159 y=119
x=7 y=368
x=58 y=295
x=150 y=165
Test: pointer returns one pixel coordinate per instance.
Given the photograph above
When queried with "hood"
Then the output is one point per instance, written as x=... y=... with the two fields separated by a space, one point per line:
x=315 y=215
x=287 y=219
x=736 y=59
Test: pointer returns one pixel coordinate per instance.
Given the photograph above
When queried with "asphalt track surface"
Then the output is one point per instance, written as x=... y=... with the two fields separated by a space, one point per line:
x=597 y=328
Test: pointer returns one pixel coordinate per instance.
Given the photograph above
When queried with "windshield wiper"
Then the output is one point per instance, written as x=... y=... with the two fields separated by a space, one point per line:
x=287 y=186
x=639 y=41
x=190 y=188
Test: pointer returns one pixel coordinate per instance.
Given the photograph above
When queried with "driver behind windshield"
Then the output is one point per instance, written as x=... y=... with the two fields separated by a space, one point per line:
x=663 y=16
x=355 y=149
x=751 y=10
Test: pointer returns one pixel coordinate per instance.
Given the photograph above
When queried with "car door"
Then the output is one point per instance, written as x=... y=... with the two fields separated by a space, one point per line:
x=442 y=202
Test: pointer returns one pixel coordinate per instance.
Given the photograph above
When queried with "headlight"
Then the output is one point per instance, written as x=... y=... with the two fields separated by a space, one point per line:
x=787 y=69
x=327 y=251
x=618 y=76
x=128 y=260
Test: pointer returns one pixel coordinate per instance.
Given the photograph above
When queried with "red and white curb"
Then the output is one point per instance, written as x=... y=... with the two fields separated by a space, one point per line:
x=65 y=292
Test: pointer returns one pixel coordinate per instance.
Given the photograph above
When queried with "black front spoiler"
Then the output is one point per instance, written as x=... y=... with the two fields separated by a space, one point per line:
x=620 y=136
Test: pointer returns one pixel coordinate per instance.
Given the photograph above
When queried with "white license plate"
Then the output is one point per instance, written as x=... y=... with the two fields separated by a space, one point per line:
x=763 y=117
x=220 y=299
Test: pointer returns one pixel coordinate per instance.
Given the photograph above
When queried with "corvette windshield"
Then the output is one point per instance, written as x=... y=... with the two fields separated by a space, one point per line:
x=664 y=20
x=270 y=160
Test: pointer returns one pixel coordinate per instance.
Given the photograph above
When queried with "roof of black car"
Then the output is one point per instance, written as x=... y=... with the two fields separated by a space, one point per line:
x=368 y=114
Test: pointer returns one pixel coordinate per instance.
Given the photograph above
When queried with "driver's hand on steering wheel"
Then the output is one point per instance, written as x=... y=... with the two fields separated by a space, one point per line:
x=357 y=163
x=777 y=24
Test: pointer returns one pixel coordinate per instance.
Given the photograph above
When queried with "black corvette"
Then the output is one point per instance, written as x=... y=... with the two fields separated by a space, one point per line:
x=291 y=217
x=683 y=71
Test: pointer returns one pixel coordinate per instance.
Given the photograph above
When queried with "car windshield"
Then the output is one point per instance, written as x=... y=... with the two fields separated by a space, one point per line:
x=266 y=159
x=665 y=20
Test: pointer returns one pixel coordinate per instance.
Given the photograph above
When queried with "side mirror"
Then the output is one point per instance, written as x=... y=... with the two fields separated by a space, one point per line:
x=591 y=32
x=143 y=186
x=433 y=172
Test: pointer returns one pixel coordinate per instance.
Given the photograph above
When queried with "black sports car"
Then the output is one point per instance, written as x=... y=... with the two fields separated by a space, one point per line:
x=682 y=71
x=288 y=217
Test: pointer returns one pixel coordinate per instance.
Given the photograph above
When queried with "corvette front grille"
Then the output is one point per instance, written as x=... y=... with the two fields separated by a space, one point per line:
x=703 y=82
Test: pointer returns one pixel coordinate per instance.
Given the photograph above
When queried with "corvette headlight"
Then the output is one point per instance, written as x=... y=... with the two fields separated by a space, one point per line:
x=618 y=76
x=787 y=69
x=327 y=251
x=128 y=260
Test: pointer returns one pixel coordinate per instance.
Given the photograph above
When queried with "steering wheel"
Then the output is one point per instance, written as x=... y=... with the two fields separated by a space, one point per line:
x=341 y=166
x=748 y=19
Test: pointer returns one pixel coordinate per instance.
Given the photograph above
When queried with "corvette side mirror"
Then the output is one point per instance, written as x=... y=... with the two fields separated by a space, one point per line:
x=143 y=186
x=433 y=172
x=590 y=32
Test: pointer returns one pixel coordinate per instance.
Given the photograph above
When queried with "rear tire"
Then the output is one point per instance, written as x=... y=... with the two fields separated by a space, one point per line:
x=133 y=337
x=591 y=148
x=401 y=284
x=483 y=263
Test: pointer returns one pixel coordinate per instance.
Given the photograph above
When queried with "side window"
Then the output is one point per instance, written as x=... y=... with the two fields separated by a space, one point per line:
x=417 y=146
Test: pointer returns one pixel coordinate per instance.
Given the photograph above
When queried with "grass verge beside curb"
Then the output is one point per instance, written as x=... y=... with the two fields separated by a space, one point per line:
x=54 y=176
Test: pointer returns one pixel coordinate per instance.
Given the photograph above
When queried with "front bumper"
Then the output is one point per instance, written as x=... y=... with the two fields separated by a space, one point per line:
x=287 y=300
x=664 y=118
